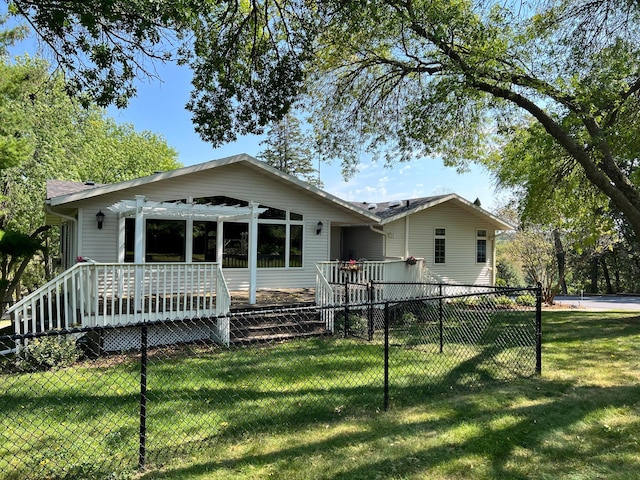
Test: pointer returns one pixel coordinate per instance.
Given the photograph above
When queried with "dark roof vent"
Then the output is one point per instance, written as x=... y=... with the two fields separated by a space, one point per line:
x=90 y=183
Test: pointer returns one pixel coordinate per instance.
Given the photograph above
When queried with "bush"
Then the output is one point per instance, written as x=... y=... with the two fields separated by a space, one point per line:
x=408 y=318
x=504 y=302
x=357 y=323
x=48 y=353
x=526 y=299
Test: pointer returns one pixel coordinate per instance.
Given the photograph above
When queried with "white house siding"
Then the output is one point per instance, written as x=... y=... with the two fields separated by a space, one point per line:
x=336 y=243
x=395 y=233
x=234 y=180
x=460 y=258
x=362 y=243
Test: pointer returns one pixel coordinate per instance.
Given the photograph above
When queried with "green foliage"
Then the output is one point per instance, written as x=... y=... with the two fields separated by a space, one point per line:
x=48 y=353
x=58 y=464
x=17 y=245
x=507 y=274
x=61 y=140
x=357 y=323
x=545 y=96
x=502 y=301
x=289 y=150
x=408 y=318
x=526 y=300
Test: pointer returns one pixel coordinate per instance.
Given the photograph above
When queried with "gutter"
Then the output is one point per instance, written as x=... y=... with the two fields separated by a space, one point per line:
x=66 y=217
x=74 y=248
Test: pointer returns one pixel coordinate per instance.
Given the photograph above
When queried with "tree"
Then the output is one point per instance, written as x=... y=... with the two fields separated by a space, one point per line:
x=534 y=249
x=61 y=140
x=402 y=78
x=288 y=150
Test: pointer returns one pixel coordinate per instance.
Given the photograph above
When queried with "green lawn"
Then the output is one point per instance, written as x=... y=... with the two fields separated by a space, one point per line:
x=579 y=420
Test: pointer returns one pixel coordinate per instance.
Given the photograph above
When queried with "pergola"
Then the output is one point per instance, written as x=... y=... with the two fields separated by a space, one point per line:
x=141 y=208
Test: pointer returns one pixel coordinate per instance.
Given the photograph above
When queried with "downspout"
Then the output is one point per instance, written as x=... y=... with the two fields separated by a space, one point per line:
x=70 y=219
x=384 y=240
x=406 y=236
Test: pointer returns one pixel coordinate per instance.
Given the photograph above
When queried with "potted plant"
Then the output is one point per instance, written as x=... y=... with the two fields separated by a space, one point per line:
x=350 y=266
x=411 y=260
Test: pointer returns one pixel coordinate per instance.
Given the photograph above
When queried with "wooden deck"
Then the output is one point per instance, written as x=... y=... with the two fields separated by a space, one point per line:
x=267 y=298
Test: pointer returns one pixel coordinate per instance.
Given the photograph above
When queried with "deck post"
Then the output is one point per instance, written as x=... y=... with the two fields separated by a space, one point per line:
x=138 y=257
x=253 y=252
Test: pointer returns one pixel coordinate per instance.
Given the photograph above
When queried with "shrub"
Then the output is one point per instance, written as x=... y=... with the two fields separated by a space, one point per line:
x=357 y=323
x=48 y=353
x=408 y=318
x=504 y=301
x=526 y=299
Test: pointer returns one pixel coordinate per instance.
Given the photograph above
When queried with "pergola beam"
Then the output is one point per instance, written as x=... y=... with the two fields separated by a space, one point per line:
x=141 y=208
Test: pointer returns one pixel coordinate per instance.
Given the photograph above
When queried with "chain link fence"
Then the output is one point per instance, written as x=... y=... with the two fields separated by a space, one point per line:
x=110 y=401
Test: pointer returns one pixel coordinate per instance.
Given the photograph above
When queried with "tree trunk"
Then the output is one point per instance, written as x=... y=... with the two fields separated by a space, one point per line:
x=605 y=273
x=561 y=258
x=594 y=276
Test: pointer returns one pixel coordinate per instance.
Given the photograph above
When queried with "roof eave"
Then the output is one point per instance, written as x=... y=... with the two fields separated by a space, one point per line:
x=498 y=223
x=156 y=177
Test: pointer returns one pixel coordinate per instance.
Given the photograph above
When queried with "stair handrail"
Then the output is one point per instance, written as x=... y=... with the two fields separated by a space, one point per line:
x=67 y=274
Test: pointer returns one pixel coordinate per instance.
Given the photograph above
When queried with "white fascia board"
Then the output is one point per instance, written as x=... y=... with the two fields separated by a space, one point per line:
x=156 y=177
x=498 y=223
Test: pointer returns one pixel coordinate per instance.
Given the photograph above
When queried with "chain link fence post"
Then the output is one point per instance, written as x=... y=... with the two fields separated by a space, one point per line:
x=143 y=398
x=440 y=319
x=539 y=329
x=370 y=323
x=386 y=356
x=346 y=307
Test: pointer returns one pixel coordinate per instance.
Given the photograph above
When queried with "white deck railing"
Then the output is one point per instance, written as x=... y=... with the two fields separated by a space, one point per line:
x=333 y=276
x=340 y=283
x=99 y=294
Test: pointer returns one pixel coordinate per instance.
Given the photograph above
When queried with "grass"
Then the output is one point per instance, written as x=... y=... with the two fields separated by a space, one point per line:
x=579 y=420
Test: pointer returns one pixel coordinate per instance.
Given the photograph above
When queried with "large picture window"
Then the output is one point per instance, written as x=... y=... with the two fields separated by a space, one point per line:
x=165 y=240
x=279 y=237
x=204 y=241
x=295 y=246
x=235 y=252
x=271 y=245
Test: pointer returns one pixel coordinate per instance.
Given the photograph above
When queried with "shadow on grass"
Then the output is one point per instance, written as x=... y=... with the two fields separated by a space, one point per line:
x=216 y=399
x=552 y=407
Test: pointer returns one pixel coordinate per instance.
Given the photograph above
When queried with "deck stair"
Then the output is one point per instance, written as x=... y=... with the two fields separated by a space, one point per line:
x=275 y=325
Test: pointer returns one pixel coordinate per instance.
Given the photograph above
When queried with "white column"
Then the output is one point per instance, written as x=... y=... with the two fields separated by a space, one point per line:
x=219 y=241
x=188 y=238
x=121 y=234
x=138 y=256
x=138 y=249
x=253 y=252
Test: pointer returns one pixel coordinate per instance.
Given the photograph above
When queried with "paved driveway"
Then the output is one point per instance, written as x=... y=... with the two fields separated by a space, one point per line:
x=599 y=302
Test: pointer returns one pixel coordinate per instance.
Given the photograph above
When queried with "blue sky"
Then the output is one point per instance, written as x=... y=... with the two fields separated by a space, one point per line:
x=159 y=108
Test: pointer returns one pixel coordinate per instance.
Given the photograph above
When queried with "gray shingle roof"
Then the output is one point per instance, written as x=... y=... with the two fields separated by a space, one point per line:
x=390 y=209
x=57 y=188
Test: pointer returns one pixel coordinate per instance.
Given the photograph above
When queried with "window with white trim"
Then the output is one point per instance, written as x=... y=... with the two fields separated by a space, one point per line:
x=481 y=246
x=440 y=245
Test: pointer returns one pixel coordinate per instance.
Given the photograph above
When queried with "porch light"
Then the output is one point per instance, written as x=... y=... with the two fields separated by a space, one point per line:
x=319 y=228
x=100 y=219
